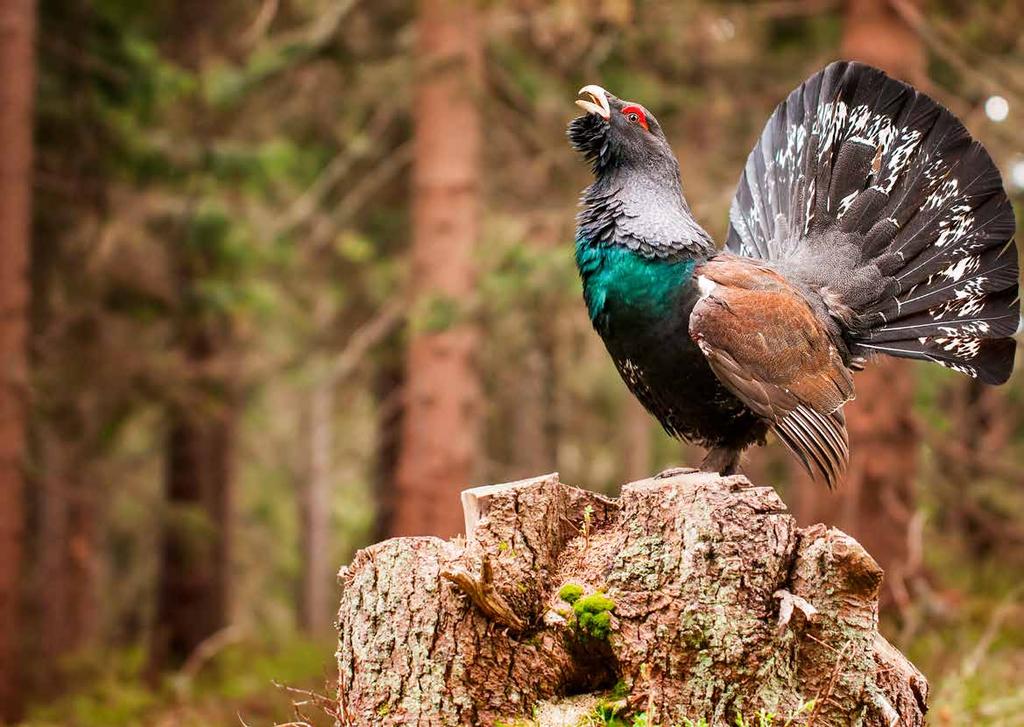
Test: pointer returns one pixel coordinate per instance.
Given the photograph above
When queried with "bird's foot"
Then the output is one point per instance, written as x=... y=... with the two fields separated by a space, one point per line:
x=675 y=472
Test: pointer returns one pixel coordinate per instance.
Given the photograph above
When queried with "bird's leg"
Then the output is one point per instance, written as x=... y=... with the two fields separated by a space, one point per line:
x=723 y=460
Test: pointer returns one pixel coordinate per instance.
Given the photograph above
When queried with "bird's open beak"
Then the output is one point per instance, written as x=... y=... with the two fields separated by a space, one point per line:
x=595 y=101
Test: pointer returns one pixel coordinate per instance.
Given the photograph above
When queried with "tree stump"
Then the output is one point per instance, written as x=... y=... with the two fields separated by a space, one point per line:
x=688 y=598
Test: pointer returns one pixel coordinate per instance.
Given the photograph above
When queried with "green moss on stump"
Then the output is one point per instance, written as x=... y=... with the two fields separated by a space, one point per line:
x=570 y=592
x=594 y=614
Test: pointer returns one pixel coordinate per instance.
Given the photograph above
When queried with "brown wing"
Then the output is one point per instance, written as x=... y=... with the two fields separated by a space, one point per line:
x=764 y=342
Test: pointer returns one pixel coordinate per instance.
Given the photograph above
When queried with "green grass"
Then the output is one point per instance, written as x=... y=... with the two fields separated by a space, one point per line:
x=110 y=689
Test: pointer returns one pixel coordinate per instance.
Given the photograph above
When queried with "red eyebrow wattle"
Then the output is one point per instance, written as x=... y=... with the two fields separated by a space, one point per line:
x=641 y=114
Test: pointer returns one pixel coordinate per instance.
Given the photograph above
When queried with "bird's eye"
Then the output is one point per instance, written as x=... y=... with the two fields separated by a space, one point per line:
x=636 y=115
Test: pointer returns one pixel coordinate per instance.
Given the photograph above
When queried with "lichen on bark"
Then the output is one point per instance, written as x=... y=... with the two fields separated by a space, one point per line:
x=712 y=604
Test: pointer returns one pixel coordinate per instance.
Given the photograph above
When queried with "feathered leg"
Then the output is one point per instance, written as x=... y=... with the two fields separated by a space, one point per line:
x=723 y=460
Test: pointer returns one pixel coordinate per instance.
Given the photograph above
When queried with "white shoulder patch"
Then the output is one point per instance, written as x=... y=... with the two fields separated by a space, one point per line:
x=705 y=285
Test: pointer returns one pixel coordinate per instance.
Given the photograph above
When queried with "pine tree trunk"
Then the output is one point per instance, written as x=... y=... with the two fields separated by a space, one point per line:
x=196 y=555
x=17 y=82
x=442 y=406
x=715 y=605
x=876 y=502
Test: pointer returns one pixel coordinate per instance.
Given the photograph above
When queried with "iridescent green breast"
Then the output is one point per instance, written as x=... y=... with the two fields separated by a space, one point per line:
x=618 y=281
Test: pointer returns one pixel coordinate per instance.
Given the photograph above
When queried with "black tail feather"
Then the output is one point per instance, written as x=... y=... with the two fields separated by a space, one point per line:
x=866 y=189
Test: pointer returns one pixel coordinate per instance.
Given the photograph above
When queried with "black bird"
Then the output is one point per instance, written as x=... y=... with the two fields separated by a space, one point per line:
x=867 y=221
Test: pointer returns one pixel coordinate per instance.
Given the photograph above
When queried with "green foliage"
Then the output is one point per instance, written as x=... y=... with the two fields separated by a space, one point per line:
x=611 y=712
x=437 y=313
x=764 y=719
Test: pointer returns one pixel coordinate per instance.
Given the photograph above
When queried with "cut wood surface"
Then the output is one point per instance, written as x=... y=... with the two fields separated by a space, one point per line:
x=688 y=598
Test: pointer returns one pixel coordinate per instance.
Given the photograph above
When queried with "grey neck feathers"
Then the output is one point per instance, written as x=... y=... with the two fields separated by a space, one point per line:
x=643 y=211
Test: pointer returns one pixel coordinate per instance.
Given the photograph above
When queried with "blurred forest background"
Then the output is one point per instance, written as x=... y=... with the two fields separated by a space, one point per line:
x=280 y=277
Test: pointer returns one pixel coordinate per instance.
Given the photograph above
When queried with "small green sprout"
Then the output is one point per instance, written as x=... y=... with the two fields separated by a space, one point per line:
x=588 y=522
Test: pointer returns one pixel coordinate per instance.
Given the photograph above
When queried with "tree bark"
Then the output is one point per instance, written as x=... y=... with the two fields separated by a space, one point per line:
x=717 y=605
x=878 y=500
x=442 y=411
x=17 y=81
x=193 y=597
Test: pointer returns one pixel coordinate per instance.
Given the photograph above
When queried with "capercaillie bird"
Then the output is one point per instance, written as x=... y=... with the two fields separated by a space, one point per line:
x=867 y=222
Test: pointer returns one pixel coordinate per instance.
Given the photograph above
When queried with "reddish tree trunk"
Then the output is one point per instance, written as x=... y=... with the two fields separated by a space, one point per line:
x=17 y=81
x=876 y=502
x=442 y=406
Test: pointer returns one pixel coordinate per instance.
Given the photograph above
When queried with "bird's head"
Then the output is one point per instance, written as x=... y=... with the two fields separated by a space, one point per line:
x=614 y=134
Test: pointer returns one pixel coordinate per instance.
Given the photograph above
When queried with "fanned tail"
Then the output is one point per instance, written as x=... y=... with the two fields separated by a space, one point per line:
x=874 y=196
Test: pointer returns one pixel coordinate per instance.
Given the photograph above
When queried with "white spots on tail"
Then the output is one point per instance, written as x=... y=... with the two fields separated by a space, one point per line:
x=783 y=174
x=808 y=213
x=946 y=191
x=960 y=268
x=959 y=367
x=961 y=347
x=956 y=227
x=896 y=160
x=968 y=300
x=844 y=204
